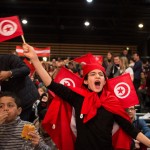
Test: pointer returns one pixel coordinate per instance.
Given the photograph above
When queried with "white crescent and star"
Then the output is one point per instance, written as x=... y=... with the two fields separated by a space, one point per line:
x=7 y=27
x=67 y=82
x=83 y=63
x=122 y=90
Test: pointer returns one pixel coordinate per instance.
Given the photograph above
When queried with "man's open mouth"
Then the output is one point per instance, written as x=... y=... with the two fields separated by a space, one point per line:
x=97 y=83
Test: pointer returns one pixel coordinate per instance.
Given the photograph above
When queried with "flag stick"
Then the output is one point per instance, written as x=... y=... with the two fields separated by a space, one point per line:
x=23 y=39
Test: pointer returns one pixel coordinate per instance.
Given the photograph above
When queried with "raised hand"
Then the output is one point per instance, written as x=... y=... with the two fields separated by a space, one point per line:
x=29 y=52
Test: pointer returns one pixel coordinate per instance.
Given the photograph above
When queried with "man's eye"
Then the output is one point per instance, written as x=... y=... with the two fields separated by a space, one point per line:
x=101 y=74
x=10 y=105
x=92 y=74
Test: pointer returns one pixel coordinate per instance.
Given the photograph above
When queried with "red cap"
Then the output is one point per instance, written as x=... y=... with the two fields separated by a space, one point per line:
x=89 y=67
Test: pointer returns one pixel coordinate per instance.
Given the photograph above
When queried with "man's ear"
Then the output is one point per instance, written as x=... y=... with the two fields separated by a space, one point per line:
x=19 y=110
x=85 y=82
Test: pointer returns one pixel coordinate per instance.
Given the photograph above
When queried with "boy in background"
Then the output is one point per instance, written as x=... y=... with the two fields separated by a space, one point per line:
x=11 y=126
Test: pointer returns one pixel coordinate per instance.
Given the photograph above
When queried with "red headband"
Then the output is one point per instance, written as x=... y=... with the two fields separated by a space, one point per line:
x=89 y=67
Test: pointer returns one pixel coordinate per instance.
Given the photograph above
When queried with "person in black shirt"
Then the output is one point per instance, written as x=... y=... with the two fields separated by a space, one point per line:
x=96 y=109
x=14 y=78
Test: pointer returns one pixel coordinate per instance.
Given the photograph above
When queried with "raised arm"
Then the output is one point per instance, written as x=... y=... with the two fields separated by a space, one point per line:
x=30 y=53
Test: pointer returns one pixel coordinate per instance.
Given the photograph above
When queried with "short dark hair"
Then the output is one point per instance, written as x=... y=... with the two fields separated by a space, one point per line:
x=138 y=54
x=12 y=95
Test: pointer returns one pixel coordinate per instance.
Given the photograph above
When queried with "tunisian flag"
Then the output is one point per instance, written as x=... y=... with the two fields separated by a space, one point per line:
x=122 y=86
x=99 y=58
x=59 y=121
x=41 y=52
x=86 y=59
x=10 y=27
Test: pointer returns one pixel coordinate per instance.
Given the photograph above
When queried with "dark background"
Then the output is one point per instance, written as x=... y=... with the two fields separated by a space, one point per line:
x=62 y=21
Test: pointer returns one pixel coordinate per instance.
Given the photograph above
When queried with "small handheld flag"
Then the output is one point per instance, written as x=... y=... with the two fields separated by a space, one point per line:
x=10 y=27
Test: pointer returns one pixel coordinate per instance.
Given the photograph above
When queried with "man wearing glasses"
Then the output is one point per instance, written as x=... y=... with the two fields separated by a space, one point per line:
x=141 y=125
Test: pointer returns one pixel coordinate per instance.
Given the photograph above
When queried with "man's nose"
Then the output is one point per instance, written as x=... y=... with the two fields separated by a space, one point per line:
x=97 y=75
x=5 y=108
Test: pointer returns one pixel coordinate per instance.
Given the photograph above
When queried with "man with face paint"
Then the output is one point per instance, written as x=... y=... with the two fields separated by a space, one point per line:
x=96 y=109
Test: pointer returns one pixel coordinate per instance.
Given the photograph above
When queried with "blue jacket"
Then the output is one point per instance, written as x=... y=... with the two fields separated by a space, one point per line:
x=142 y=126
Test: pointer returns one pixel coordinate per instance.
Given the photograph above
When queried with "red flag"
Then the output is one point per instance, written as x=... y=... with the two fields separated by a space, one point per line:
x=59 y=121
x=10 y=27
x=99 y=58
x=30 y=65
x=41 y=52
x=86 y=59
x=68 y=78
x=122 y=86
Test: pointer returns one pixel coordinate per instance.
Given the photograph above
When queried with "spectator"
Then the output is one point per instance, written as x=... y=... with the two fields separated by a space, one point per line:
x=115 y=69
x=131 y=63
x=14 y=78
x=137 y=69
x=125 y=53
x=11 y=126
x=95 y=108
x=43 y=134
x=142 y=92
x=44 y=102
x=41 y=88
x=42 y=92
x=148 y=90
x=124 y=67
x=108 y=62
x=141 y=125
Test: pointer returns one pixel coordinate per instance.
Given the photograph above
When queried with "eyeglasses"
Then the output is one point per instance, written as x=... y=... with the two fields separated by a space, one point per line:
x=130 y=109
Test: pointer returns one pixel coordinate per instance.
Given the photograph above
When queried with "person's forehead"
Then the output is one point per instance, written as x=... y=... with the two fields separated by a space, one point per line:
x=96 y=70
x=6 y=99
x=117 y=57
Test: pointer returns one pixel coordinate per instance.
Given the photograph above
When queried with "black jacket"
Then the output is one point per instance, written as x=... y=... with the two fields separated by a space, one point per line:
x=19 y=83
x=96 y=134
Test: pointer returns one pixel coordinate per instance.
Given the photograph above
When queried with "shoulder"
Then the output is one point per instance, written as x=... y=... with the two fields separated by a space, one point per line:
x=129 y=70
x=25 y=122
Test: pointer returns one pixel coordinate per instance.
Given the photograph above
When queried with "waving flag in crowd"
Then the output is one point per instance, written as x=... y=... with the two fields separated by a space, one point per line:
x=10 y=27
x=86 y=59
x=99 y=58
x=89 y=58
x=59 y=120
x=122 y=86
x=41 y=52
